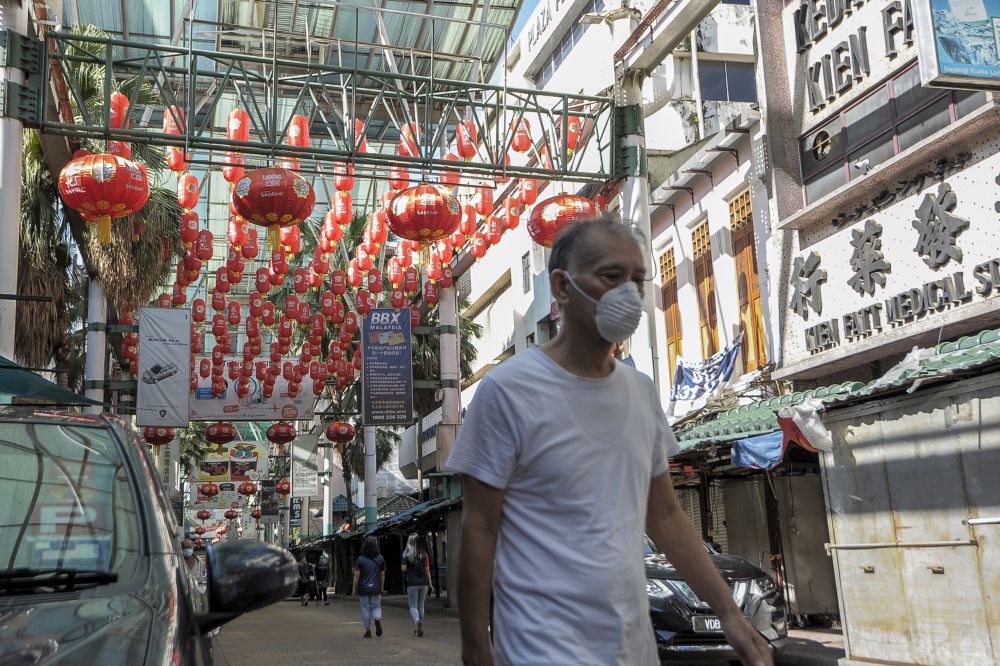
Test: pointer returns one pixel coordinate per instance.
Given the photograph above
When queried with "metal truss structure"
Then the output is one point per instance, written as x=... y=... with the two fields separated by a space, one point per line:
x=206 y=84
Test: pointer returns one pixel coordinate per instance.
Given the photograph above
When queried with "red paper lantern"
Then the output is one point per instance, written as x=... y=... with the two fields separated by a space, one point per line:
x=424 y=213
x=341 y=432
x=528 y=191
x=203 y=514
x=521 y=140
x=398 y=178
x=102 y=187
x=118 y=107
x=398 y=298
x=238 y=125
x=343 y=177
x=189 y=227
x=430 y=293
x=209 y=489
x=247 y=488
x=450 y=178
x=249 y=249
x=573 y=129
x=283 y=487
x=187 y=190
x=220 y=433
x=231 y=514
x=256 y=514
x=414 y=315
x=550 y=216
x=158 y=435
x=409 y=139
x=465 y=140
x=233 y=169
x=281 y=433
x=273 y=197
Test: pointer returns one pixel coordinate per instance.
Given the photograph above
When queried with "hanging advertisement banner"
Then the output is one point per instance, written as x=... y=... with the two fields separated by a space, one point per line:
x=295 y=512
x=958 y=43
x=387 y=379
x=695 y=383
x=164 y=385
x=305 y=478
x=227 y=466
x=268 y=501
x=255 y=406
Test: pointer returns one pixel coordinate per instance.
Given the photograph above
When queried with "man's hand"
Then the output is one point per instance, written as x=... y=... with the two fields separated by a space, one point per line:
x=752 y=648
x=481 y=508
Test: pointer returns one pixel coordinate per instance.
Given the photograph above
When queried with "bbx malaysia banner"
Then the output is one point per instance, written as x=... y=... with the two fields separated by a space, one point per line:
x=387 y=362
x=164 y=383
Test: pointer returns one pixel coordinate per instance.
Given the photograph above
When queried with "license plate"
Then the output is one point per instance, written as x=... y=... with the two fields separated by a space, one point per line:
x=707 y=624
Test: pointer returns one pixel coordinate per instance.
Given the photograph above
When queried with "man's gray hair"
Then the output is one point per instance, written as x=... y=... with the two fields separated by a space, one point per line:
x=571 y=246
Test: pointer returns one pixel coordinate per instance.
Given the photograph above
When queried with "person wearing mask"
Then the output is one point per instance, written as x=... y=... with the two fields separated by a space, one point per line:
x=562 y=439
x=369 y=585
x=194 y=565
x=323 y=577
x=417 y=577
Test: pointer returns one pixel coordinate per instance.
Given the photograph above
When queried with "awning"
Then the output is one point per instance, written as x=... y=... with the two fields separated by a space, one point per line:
x=760 y=452
x=413 y=518
x=23 y=387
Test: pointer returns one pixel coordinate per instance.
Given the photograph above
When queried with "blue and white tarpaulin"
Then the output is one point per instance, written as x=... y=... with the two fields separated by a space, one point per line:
x=697 y=383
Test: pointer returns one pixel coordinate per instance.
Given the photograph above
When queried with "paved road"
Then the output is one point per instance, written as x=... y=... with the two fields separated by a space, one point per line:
x=287 y=633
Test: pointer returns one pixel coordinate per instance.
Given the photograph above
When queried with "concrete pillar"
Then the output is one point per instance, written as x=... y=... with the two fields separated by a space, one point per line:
x=371 y=469
x=13 y=16
x=96 y=358
x=451 y=400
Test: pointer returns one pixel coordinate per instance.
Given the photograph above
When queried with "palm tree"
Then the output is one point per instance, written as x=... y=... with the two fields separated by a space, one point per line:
x=129 y=270
x=193 y=446
x=352 y=459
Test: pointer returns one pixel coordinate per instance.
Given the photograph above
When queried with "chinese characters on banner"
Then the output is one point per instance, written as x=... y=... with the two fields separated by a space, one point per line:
x=305 y=480
x=387 y=380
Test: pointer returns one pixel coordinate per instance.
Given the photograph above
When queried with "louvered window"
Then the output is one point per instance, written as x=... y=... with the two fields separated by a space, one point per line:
x=747 y=282
x=704 y=280
x=671 y=309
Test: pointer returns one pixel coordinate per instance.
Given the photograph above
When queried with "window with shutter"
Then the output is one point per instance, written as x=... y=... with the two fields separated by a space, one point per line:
x=705 y=282
x=747 y=282
x=671 y=309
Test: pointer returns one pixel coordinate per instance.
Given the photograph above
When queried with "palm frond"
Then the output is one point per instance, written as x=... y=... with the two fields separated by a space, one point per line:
x=131 y=270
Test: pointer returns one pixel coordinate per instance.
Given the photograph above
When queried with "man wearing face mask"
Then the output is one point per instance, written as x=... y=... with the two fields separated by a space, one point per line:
x=564 y=453
x=194 y=565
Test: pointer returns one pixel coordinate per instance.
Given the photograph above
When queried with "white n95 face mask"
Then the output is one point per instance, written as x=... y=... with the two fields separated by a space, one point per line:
x=618 y=311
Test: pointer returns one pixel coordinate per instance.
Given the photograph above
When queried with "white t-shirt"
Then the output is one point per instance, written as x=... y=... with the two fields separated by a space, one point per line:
x=575 y=457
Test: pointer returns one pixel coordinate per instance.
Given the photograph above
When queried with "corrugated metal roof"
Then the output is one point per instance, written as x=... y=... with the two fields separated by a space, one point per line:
x=945 y=360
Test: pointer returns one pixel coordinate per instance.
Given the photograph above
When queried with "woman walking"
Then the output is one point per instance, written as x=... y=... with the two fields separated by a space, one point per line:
x=369 y=585
x=417 y=574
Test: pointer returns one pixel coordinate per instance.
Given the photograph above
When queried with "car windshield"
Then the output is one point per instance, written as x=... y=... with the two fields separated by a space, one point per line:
x=66 y=501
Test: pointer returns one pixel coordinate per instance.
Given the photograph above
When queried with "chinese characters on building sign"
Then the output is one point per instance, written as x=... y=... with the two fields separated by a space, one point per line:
x=937 y=228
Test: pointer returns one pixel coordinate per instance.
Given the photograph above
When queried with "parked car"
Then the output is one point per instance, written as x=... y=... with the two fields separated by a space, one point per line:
x=686 y=629
x=93 y=572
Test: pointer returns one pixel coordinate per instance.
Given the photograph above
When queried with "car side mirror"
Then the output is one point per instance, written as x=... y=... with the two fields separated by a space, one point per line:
x=244 y=576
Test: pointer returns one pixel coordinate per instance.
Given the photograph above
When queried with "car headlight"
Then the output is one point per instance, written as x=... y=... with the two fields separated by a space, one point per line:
x=764 y=586
x=657 y=588
x=684 y=591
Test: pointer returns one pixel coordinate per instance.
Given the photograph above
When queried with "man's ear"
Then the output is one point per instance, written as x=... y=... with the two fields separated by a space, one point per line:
x=560 y=286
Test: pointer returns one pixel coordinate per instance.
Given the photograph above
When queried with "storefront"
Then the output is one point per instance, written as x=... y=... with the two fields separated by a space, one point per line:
x=887 y=253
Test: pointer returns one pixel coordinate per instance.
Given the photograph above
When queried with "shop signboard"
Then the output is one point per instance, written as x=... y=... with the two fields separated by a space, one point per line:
x=387 y=380
x=305 y=477
x=228 y=406
x=163 y=389
x=227 y=466
x=958 y=42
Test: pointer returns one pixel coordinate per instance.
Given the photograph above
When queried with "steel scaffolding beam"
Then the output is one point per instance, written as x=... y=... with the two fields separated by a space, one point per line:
x=272 y=89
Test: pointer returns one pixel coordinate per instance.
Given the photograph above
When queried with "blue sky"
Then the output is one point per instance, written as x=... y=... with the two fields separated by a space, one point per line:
x=526 y=9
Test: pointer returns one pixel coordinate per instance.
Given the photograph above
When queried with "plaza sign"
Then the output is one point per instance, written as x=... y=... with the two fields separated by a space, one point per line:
x=959 y=45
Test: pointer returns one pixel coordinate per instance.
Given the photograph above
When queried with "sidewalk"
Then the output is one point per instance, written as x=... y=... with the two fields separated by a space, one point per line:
x=432 y=606
x=811 y=647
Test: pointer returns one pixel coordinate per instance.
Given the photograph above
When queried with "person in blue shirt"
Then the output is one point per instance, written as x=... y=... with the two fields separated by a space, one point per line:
x=369 y=585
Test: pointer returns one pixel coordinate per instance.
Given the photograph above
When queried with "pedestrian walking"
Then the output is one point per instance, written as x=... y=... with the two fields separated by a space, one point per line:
x=307 y=580
x=323 y=578
x=417 y=577
x=194 y=565
x=369 y=585
x=564 y=453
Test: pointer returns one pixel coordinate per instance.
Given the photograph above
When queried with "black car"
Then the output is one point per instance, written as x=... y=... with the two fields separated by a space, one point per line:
x=93 y=569
x=686 y=629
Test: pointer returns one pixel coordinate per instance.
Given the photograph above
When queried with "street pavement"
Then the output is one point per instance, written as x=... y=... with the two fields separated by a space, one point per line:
x=288 y=633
